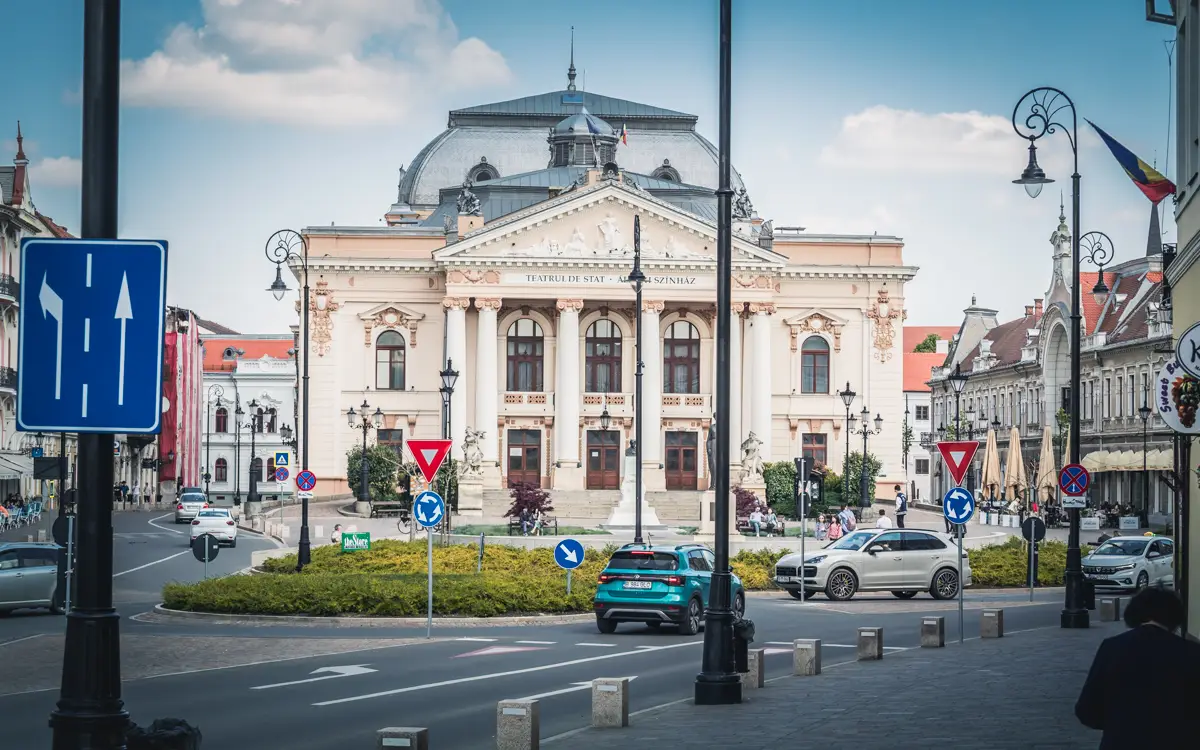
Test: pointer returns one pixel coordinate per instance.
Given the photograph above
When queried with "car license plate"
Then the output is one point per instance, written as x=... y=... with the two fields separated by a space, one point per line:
x=784 y=579
x=637 y=584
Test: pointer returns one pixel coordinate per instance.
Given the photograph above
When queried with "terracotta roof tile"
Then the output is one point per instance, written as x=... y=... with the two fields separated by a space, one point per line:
x=57 y=230
x=253 y=348
x=1007 y=341
x=914 y=335
x=918 y=366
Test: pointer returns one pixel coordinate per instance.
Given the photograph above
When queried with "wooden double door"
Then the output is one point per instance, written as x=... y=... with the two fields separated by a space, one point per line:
x=682 y=453
x=525 y=457
x=603 y=459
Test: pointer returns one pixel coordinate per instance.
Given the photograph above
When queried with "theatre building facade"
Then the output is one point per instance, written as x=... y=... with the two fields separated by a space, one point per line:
x=507 y=254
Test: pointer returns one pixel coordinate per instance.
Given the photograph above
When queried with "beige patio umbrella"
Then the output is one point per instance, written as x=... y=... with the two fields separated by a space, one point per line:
x=1047 y=476
x=1014 y=472
x=989 y=480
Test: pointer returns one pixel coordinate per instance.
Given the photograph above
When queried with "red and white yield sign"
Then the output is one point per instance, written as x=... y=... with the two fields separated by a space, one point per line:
x=429 y=455
x=958 y=455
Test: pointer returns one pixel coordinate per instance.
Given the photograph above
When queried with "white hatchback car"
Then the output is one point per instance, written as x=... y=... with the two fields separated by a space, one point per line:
x=902 y=561
x=1131 y=562
x=216 y=521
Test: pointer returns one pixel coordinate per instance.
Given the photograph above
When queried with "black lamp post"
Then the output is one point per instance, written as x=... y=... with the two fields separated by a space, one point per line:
x=237 y=449
x=958 y=381
x=364 y=421
x=449 y=377
x=636 y=278
x=1144 y=412
x=717 y=682
x=864 y=484
x=215 y=392
x=285 y=246
x=1040 y=119
x=847 y=399
x=255 y=425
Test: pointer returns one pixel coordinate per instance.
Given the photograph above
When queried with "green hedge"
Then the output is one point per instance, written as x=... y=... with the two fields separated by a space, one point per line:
x=1005 y=565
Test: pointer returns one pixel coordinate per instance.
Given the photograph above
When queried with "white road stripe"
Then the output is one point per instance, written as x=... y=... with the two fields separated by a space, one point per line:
x=156 y=562
x=18 y=640
x=494 y=675
x=836 y=645
x=598 y=645
x=478 y=640
x=537 y=643
x=164 y=528
x=575 y=687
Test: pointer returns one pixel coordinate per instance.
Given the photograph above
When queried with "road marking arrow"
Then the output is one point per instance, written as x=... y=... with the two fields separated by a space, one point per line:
x=568 y=553
x=52 y=304
x=124 y=314
x=334 y=673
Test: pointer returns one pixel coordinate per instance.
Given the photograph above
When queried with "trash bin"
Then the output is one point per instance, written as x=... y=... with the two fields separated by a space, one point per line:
x=743 y=635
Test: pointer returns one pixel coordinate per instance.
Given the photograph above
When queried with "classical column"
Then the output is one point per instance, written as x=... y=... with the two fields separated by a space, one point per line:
x=456 y=352
x=760 y=420
x=487 y=388
x=567 y=391
x=736 y=436
x=652 y=381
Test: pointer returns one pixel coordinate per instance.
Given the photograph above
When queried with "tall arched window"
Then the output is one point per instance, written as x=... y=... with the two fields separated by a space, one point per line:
x=221 y=423
x=221 y=472
x=272 y=416
x=270 y=468
x=258 y=420
x=602 y=362
x=814 y=365
x=681 y=358
x=525 y=348
x=256 y=469
x=389 y=362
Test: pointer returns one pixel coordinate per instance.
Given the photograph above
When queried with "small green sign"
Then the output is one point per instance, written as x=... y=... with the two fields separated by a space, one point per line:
x=353 y=541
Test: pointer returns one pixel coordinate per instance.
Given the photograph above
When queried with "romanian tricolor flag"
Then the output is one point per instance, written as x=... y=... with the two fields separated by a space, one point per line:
x=1149 y=180
x=625 y=135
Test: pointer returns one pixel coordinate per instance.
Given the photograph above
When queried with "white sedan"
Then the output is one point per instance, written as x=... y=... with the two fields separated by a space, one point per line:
x=216 y=521
x=1130 y=563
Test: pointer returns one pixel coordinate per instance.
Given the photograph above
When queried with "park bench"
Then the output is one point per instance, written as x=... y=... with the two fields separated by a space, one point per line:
x=743 y=526
x=387 y=508
x=549 y=526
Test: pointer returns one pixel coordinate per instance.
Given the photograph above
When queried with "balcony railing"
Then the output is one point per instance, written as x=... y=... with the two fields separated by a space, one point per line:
x=515 y=403
x=10 y=288
x=8 y=379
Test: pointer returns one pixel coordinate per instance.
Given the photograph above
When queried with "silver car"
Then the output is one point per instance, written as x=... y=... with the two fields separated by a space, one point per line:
x=189 y=506
x=1127 y=563
x=28 y=575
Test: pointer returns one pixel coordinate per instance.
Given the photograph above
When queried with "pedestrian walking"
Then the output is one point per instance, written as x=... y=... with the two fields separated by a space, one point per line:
x=137 y=495
x=1115 y=698
x=822 y=531
x=835 y=529
x=901 y=507
x=846 y=519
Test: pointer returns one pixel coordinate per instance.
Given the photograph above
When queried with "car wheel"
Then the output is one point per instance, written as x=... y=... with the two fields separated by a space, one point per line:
x=691 y=620
x=607 y=627
x=904 y=594
x=841 y=585
x=945 y=584
x=739 y=606
x=1143 y=580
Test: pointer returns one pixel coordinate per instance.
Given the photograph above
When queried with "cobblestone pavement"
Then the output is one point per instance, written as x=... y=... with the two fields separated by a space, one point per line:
x=1015 y=692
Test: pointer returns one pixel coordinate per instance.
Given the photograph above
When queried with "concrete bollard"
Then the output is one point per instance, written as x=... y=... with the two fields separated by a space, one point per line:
x=755 y=676
x=416 y=738
x=806 y=658
x=933 y=632
x=319 y=531
x=283 y=531
x=41 y=535
x=610 y=702
x=870 y=644
x=517 y=725
x=991 y=625
x=1110 y=609
x=29 y=537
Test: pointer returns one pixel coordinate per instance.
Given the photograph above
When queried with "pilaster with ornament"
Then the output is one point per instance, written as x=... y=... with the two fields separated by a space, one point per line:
x=884 y=315
x=320 y=308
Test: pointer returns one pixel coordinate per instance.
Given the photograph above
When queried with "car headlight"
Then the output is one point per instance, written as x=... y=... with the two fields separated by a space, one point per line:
x=815 y=560
x=1130 y=566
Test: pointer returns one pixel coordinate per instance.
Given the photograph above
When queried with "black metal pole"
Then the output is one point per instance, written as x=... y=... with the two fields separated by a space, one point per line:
x=90 y=713
x=62 y=470
x=237 y=451
x=1145 y=476
x=255 y=471
x=717 y=682
x=303 y=550
x=1075 y=613
x=207 y=447
x=864 y=487
x=363 y=476
x=636 y=276
x=846 y=464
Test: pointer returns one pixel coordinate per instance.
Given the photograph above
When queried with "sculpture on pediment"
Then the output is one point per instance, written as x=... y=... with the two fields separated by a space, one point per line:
x=742 y=208
x=468 y=202
x=752 y=463
x=472 y=464
x=677 y=250
x=577 y=245
x=767 y=230
x=611 y=234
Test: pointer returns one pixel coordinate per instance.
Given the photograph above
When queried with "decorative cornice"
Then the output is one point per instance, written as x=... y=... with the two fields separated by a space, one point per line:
x=472 y=276
x=654 y=306
x=573 y=305
x=489 y=303
x=763 y=308
x=456 y=303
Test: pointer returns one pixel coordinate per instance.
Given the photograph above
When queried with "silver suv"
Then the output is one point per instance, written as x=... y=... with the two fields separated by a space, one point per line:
x=29 y=575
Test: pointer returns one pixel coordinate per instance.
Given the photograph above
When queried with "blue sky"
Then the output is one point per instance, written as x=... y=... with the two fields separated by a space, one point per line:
x=243 y=116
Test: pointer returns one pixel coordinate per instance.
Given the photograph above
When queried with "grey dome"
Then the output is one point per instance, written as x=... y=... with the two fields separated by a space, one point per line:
x=584 y=123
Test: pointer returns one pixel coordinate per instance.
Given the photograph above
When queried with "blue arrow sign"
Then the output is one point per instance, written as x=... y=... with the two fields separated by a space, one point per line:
x=958 y=506
x=568 y=554
x=91 y=335
x=428 y=508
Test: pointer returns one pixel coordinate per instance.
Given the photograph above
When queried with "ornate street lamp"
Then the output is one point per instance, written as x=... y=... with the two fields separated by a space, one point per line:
x=449 y=377
x=864 y=484
x=215 y=392
x=847 y=399
x=1144 y=412
x=958 y=381
x=1097 y=248
x=364 y=421
x=636 y=278
x=605 y=419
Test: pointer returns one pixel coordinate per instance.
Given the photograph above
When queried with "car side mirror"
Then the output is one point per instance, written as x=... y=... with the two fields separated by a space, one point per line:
x=1152 y=554
x=871 y=550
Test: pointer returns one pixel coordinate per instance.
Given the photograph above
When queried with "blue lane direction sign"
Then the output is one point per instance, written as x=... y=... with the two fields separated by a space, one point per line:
x=1074 y=480
x=36 y=453
x=306 y=481
x=568 y=554
x=958 y=506
x=429 y=508
x=91 y=335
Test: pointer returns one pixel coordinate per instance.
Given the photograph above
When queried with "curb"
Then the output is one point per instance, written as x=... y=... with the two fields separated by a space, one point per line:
x=373 y=622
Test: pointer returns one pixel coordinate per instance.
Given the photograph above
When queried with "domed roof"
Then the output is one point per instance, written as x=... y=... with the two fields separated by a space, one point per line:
x=584 y=123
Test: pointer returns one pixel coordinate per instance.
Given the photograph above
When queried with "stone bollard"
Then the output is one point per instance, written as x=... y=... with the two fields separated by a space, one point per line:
x=416 y=738
x=610 y=702
x=1110 y=609
x=29 y=537
x=319 y=532
x=992 y=624
x=41 y=535
x=755 y=676
x=283 y=531
x=517 y=725
x=870 y=644
x=933 y=632
x=806 y=658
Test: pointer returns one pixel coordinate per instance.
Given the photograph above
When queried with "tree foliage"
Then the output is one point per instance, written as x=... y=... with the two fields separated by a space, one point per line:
x=381 y=471
x=746 y=501
x=928 y=345
x=527 y=496
x=850 y=491
x=780 y=478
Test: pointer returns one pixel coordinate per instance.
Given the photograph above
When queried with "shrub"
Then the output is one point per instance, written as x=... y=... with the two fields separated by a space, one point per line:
x=852 y=494
x=1004 y=565
x=381 y=471
x=780 y=478
x=527 y=496
x=746 y=501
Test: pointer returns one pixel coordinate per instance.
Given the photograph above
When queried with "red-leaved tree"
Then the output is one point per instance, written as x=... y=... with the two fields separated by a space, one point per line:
x=527 y=496
x=747 y=501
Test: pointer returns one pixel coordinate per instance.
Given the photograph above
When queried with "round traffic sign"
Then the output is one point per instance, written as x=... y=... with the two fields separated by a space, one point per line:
x=1074 y=480
x=1033 y=529
x=1187 y=351
x=568 y=554
x=281 y=474
x=306 y=480
x=205 y=548
x=958 y=505
x=429 y=508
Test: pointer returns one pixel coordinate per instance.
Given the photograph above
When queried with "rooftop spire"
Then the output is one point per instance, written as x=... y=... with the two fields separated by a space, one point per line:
x=1062 y=211
x=20 y=159
x=571 y=70
x=1154 y=240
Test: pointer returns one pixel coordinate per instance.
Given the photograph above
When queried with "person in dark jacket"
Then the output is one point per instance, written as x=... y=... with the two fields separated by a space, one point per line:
x=1145 y=680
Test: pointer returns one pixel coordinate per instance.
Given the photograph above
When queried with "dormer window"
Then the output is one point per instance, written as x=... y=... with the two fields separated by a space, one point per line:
x=483 y=171
x=666 y=172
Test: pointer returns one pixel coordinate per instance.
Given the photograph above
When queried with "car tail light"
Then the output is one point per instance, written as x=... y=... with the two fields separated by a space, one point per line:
x=204 y=506
x=674 y=580
x=196 y=522
x=605 y=578
x=641 y=552
x=179 y=507
x=229 y=523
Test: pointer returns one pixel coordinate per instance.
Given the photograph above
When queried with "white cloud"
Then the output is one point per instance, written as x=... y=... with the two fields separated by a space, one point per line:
x=318 y=62
x=56 y=171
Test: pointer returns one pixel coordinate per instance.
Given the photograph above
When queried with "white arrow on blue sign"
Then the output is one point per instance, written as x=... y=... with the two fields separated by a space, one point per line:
x=568 y=554
x=958 y=505
x=92 y=360
x=428 y=508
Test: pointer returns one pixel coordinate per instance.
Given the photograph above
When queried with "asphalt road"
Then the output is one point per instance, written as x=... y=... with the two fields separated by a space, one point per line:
x=451 y=684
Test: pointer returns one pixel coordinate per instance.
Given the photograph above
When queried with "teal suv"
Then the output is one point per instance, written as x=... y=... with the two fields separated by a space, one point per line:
x=659 y=585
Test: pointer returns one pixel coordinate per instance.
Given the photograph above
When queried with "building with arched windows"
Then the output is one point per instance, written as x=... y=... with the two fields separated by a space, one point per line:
x=507 y=253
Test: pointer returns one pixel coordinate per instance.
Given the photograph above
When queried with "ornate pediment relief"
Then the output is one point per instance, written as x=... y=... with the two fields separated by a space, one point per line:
x=818 y=322
x=390 y=317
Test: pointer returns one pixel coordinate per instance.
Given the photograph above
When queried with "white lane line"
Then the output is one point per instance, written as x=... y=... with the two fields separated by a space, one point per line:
x=598 y=645
x=88 y=280
x=537 y=643
x=155 y=562
x=84 y=400
x=18 y=640
x=164 y=528
x=575 y=687
x=87 y=335
x=494 y=675
x=478 y=640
